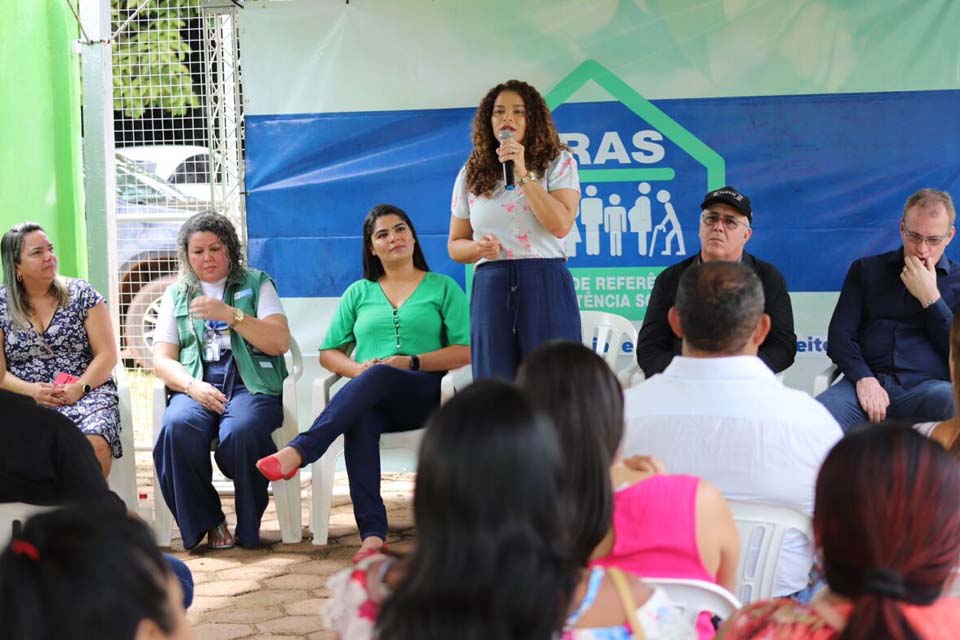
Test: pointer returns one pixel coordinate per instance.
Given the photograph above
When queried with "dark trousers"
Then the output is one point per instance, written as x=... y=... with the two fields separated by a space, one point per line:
x=181 y=456
x=382 y=399
x=515 y=306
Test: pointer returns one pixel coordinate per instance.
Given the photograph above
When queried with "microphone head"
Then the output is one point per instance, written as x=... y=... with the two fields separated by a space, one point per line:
x=505 y=134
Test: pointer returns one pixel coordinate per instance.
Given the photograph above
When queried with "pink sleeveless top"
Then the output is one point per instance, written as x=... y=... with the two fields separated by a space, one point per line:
x=655 y=529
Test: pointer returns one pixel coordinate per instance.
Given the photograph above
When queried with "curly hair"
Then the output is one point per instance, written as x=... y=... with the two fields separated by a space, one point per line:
x=541 y=142
x=219 y=225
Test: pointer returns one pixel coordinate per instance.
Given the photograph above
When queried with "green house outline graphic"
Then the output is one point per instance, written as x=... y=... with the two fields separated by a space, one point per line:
x=592 y=70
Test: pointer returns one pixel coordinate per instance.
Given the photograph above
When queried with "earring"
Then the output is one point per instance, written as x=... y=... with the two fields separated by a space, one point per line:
x=19 y=277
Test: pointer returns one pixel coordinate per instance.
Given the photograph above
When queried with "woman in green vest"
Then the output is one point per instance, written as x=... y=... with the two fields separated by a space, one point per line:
x=219 y=344
x=410 y=326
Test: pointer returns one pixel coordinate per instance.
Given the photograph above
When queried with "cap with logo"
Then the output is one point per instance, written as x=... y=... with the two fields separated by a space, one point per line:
x=730 y=196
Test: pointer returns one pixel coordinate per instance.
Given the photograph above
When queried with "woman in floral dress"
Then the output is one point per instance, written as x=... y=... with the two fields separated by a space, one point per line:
x=58 y=345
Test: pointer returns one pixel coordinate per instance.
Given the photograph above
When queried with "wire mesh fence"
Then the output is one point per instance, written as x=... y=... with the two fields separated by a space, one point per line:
x=179 y=138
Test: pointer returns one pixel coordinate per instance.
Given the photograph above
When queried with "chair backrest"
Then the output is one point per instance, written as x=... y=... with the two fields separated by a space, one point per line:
x=691 y=597
x=762 y=528
x=605 y=333
x=13 y=515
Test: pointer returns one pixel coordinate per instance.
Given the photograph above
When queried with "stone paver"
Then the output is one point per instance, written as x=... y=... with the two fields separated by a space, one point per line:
x=278 y=592
x=214 y=631
x=295 y=625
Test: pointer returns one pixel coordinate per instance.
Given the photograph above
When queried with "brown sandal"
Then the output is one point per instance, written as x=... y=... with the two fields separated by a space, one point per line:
x=220 y=538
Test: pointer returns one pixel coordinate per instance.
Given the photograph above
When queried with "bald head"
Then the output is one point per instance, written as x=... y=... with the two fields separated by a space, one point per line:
x=719 y=308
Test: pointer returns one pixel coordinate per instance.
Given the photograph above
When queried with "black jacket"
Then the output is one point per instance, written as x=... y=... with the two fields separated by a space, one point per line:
x=657 y=345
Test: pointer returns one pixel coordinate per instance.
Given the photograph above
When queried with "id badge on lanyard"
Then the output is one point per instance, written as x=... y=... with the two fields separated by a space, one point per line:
x=211 y=345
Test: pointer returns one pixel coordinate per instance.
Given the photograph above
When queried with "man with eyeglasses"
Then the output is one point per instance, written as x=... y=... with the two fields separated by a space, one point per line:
x=725 y=228
x=889 y=334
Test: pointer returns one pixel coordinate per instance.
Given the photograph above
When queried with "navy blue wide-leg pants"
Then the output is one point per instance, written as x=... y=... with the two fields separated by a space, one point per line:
x=182 y=456
x=515 y=306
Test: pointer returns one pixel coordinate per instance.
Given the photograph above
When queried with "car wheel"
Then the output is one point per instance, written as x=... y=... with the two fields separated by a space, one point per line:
x=141 y=320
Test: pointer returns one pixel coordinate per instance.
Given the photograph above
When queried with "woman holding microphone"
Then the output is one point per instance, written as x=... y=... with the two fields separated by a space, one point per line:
x=523 y=293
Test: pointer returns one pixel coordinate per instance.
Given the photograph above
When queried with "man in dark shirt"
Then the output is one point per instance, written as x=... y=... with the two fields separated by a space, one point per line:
x=725 y=228
x=889 y=334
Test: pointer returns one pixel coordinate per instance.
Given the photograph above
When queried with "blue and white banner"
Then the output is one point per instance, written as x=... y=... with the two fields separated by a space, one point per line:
x=825 y=115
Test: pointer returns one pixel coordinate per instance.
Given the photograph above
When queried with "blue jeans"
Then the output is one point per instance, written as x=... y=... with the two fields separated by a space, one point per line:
x=515 y=306
x=181 y=456
x=382 y=399
x=926 y=402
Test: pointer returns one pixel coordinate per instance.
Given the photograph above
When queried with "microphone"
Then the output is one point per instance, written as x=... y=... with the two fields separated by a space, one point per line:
x=506 y=134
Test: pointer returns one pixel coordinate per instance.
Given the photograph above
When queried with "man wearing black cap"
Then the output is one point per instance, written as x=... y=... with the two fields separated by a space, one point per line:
x=725 y=228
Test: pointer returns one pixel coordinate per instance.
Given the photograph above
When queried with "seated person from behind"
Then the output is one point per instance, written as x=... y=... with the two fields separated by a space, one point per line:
x=88 y=573
x=888 y=529
x=58 y=345
x=718 y=412
x=652 y=525
x=410 y=326
x=947 y=432
x=490 y=559
x=889 y=334
x=219 y=344
x=44 y=459
x=725 y=229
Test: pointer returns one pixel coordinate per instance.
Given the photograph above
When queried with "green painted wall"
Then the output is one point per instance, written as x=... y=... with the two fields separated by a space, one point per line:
x=40 y=159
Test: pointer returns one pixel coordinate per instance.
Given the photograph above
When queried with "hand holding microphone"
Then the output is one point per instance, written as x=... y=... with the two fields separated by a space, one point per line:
x=510 y=154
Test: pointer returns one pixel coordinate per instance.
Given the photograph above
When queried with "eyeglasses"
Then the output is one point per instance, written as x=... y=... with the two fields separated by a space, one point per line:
x=916 y=238
x=710 y=219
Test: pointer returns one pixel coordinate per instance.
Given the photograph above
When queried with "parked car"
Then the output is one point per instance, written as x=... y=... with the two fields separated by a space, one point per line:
x=149 y=214
x=185 y=166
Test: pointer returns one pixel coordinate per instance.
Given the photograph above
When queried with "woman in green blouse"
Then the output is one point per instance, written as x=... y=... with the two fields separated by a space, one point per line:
x=409 y=327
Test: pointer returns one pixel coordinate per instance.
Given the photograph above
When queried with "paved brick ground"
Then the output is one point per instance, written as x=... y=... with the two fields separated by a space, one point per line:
x=277 y=592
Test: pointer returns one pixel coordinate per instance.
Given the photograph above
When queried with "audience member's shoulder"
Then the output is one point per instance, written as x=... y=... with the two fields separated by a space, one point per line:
x=24 y=407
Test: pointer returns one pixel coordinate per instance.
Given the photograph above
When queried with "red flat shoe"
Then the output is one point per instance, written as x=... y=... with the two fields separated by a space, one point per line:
x=366 y=553
x=269 y=468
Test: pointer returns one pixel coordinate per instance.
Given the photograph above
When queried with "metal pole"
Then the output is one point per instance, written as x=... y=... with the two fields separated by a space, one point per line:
x=99 y=177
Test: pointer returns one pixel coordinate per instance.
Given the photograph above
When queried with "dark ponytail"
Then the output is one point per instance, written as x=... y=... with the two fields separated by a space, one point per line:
x=887 y=518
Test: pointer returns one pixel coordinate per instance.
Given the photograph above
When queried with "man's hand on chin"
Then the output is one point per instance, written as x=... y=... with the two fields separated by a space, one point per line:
x=919 y=276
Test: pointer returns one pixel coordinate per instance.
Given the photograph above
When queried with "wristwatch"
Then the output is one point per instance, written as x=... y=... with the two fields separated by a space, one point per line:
x=86 y=388
x=238 y=317
x=415 y=363
x=530 y=177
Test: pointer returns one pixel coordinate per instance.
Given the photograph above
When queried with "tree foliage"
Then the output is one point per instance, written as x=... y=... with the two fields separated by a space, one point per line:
x=150 y=57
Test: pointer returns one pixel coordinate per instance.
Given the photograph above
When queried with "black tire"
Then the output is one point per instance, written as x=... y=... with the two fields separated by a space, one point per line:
x=141 y=320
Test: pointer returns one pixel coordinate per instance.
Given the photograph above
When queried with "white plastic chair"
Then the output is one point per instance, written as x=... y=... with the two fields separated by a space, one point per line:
x=323 y=470
x=123 y=472
x=605 y=333
x=691 y=597
x=762 y=528
x=14 y=514
x=825 y=378
x=286 y=493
